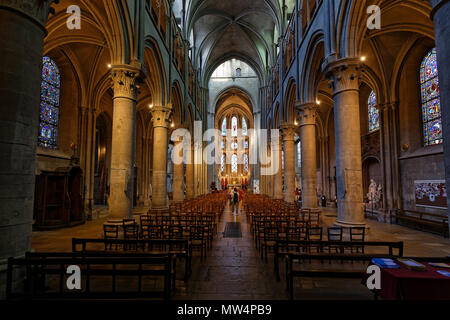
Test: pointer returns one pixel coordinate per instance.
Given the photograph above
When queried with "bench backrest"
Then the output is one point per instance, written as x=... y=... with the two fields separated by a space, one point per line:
x=38 y=267
x=323 y=244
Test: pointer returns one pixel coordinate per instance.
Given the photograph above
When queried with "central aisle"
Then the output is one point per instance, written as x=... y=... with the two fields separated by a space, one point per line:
x=232 y=269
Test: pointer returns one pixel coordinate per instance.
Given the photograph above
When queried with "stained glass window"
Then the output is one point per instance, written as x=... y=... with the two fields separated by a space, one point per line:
x=224 y=127
x=245 y=163
x=299 y=154
x=244 y=127
x=222 y=144
x=49 y=109
x=431 y=106
x=234 y=163
x=374 y=116
x=234 y=145
x=222 y=163
x=234 y=127
x=246 y=144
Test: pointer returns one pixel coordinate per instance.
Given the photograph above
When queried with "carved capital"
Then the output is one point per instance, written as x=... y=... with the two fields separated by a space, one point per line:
x=307 y=113
x=343 y=75
x=36 y=10
x=161 y=116
x=288 y=131
x=126 y=81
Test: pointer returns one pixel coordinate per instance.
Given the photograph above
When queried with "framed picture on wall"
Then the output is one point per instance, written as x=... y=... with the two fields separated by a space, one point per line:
x=431 y=193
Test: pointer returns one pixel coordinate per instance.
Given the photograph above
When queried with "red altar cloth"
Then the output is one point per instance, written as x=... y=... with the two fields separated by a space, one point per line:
x=406 y=284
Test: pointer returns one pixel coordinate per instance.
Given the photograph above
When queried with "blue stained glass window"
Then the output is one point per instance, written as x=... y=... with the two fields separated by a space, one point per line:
x=431 y=105
x=222 y=163
x=234 y=163
x=49 y=108
x=374 y=115
x=245 y=163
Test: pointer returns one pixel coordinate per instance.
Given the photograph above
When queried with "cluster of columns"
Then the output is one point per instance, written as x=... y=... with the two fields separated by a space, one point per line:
x=182 y=145
x=344 y=78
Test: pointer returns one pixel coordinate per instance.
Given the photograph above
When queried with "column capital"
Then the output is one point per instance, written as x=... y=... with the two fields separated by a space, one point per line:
x=161 y=116
x=126 y=80
x=343 y=75
x=307 y=113
x=287 y=131
x=37 y=10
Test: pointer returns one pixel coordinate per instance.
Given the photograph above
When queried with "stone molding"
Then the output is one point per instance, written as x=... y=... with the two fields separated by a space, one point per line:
x=161 y=116
x=343 y=75
x=37 y=10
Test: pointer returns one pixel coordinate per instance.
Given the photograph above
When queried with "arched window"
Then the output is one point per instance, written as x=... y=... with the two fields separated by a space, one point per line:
x=245 y=163
x=299 y=154
x=234 y=127
x=222 y=163
x=224 y=127
x=431 y=106
x=234 y=163
x=374 y=116
x=244 y=127
x=49 y=111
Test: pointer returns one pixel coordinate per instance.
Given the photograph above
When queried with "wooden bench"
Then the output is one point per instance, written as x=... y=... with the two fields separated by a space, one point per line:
x=39 y=269
x=179 y=248
x=285 y=247
x=424 y=221
x=103 y=254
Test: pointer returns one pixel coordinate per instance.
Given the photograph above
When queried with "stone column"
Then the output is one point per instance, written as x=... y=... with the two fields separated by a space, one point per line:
x=178 y=172
x=439 y=15
x=307 y=121
x=22 y=32
x=277 y=148
x=344 y=79
x=123 y=140
x=161 y=120
x=288 y=132
x=189 y=171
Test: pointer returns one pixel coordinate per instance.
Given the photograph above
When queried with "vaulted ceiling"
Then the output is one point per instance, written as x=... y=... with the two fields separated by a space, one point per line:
x=243 y=29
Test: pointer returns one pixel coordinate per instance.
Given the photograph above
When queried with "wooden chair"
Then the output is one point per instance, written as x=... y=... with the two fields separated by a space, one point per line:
x=335 y=234
x=357 y=234
x=110 y=231
x=269 y=240
x=130 y=232
x=197 y=239
x=315 y=234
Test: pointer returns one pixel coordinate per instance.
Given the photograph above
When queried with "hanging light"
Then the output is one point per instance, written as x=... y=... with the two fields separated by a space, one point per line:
x=363 y=58
x=150 y=106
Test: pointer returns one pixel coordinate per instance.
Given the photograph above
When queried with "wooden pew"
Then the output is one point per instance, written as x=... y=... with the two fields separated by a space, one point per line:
x=92 y=269
x=423 y=221
x=178 y=248
x=284 y=247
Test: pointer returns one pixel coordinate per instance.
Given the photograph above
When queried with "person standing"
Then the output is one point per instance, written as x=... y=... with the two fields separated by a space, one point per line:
x=235 y=200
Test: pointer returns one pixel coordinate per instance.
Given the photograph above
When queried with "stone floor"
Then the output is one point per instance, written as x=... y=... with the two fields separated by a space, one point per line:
x=233 y=269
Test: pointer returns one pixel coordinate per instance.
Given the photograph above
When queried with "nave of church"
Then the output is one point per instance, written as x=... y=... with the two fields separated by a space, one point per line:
x=129 y=124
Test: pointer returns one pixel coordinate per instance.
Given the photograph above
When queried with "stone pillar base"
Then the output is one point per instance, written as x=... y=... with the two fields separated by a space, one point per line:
x=344 y=224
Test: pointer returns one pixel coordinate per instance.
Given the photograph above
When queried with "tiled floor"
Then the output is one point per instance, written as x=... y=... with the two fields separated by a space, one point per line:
x=233 y=269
